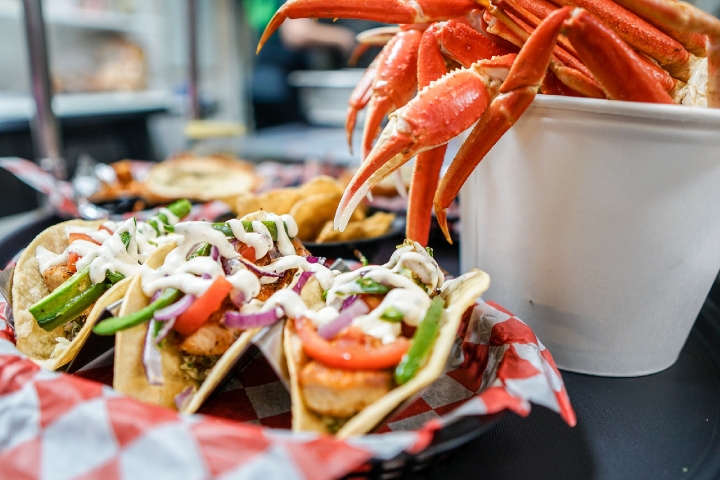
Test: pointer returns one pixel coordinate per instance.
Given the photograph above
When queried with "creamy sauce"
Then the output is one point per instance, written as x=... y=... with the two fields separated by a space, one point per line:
x=47 y=259
x=111 y=255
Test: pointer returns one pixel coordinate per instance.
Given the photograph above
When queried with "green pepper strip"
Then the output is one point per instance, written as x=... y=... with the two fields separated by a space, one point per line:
x=422 y=343
x=68 y=301
x=126 y=237
x=114 y=277
x=393 y=315
x=114 y=325
x=202 y=251
x=368 y=285
x=179 y=208
x=247 y=225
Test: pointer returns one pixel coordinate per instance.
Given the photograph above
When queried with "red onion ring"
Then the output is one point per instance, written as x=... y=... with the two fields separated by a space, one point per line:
x=237 y=298
x=253 y=320
x=174 y=310
x=304 y=277
x=330 y=329
x=348 y=301
x=312 y=259
x=192 y=250
x=259 y=271
x=163 y=333
x=230 y=265
x=183 y=398
x=214 y=253
x=151 y=357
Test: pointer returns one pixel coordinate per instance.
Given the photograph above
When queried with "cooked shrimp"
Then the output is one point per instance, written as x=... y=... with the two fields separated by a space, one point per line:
x=56 y=276
x=213 y=338
x=341 y=393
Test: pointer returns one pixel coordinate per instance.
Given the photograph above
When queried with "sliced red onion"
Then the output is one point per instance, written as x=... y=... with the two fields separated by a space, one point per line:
x=151 y=357
x=253 y=320
x=237 y=298
x=348 y=301
x=330 y=329
x=274 y=253
x=163 y=333
x=183 y=398
x=155 y=296
x=206 y=276
x=320 y=260
x=174 y=310
x=214 y=253
x=230 y=265
x=304 y=277
x=259 y=271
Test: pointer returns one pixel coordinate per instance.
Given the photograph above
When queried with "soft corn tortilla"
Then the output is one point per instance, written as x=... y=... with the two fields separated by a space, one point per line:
x=129 y=375
x=469 y=287
x=28 y=288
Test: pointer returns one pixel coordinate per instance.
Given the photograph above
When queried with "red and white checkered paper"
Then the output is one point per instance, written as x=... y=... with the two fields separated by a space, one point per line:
x=57 y=426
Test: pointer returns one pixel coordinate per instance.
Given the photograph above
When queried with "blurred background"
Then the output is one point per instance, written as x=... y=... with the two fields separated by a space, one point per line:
x=120 y=68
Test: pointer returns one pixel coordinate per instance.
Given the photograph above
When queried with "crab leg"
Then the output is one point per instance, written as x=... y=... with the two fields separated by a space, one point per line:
x=375 y=37
x=358 y=100
x=683 y=16
x=461 y=42
x=395 y=82
x=385 y=11
x=615 y=65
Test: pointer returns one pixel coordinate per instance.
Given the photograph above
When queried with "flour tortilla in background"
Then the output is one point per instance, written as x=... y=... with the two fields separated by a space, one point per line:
x=466 y=291
x=129 y=377
x=29 y=287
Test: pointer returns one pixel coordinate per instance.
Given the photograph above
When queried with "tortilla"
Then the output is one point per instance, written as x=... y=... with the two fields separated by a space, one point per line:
x=457 y=300
x=28 y=288
x=129 y=373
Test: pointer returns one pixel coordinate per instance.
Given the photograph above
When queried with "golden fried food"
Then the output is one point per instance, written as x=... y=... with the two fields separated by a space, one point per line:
x=373 y=226
x=312 y=212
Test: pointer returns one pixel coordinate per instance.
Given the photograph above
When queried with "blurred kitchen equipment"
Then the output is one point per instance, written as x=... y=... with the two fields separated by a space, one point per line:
x=324 y=94
x=45 y=127
x=598 y=223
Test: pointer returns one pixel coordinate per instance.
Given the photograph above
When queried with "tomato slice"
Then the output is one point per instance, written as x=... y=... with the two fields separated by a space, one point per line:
x=204 y=306
x=349 y=357
x=81 y=236
x=72 y=261
x=103 y=227
x=247 y=252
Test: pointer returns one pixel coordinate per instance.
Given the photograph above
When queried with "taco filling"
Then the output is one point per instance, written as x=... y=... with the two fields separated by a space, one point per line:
x=96 y=258
x=384 y=332
x=212 y=293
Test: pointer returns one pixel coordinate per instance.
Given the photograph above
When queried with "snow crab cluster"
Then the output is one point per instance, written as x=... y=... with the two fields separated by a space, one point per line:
x=454 y=63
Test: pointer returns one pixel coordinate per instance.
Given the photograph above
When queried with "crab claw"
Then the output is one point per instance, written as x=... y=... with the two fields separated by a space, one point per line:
x=438 y=113
x=385 y=11
x=358 y=99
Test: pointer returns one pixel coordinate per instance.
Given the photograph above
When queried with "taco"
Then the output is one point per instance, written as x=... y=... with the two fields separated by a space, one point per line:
x=383 y=334
x=195 y=307
x=67 y=269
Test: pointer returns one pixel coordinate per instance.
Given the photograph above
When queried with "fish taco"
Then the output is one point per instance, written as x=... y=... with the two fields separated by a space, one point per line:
x=195 y=307
x=62 y=276
x=382 y=334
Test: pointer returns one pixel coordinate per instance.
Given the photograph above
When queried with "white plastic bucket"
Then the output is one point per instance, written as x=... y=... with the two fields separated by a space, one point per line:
x=599 y=224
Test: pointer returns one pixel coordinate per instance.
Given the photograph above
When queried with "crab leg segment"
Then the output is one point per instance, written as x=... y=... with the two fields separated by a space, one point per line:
x=358 y=100
x=395 y=82
x=385 y=11
x=438 y=113
x=685 y=17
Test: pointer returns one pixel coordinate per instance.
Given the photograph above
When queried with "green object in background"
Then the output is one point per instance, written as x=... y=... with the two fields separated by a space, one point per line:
x=259 y=12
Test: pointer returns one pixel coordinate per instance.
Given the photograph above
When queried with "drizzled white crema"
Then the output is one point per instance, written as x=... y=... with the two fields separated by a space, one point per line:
x=111 y=255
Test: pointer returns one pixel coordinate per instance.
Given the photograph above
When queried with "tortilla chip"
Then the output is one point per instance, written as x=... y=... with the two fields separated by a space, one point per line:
x=458 y=299
x=278 y=201
x=373 y=226
x=312 y=212
x=28 y=288
x=321 y=184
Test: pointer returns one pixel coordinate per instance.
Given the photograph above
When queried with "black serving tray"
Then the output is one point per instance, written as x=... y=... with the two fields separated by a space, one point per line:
x=658 y=426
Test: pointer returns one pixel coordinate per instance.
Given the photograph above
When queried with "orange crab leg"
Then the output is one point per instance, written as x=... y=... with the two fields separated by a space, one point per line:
x=395 y=82
x=385 y=11
x=683 y=16
x=358 y=99
x=375 y=37
x=638 y=33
